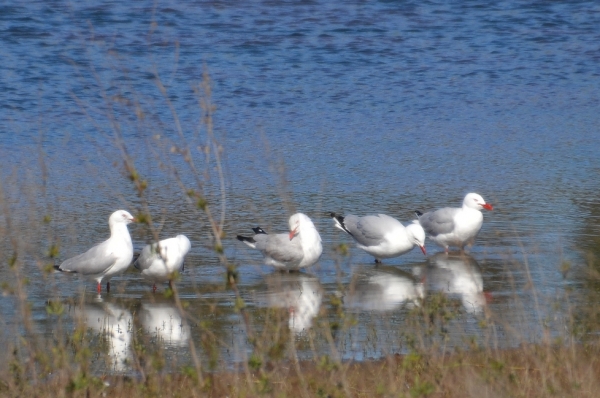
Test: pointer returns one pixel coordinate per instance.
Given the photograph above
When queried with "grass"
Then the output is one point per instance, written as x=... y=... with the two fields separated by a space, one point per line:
x=74 y=360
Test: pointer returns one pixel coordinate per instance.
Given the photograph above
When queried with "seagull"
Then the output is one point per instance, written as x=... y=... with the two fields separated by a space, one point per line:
x=109 y=258
x=158 y=261
x=300 y=248
x=453 y=226
x=382 y=236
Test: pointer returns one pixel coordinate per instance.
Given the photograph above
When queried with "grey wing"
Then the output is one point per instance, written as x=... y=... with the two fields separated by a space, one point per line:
x=147 y=256
x=438 y=222
x=370 y=230
x=280 y=248
x=94 y=261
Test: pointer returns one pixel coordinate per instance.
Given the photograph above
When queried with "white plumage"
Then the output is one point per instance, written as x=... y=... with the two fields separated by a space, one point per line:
x=109 y=258
x=452 y=226
x=301 y=247
x=158 y=261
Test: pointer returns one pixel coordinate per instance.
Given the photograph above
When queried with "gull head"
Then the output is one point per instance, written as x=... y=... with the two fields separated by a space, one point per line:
x=184 y=244
x=120 y=217
x=297 y=221
x=475 y=201
x=416 y=234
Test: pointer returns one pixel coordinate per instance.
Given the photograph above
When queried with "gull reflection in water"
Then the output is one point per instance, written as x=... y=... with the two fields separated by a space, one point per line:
x=116 y=324
x=382 y=288
x=165 y=322
x=457 y=274
x=300 y=293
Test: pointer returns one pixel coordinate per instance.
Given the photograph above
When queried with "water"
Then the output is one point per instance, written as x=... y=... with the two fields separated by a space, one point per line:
x=370 y=107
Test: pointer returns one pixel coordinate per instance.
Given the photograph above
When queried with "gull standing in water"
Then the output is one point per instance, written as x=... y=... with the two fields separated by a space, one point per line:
x=109 y=258
x=455 y=226
x=300 y=248
x=381 y=236
x=158 y=261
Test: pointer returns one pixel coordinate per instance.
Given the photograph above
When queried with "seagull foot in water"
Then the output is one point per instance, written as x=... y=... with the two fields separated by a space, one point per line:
x=154 y=288
x=378 y=261
x=99 y=287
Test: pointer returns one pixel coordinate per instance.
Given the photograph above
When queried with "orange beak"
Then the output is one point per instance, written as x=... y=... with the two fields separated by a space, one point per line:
x=423 y=250
x=293 y=233
x=487 y=206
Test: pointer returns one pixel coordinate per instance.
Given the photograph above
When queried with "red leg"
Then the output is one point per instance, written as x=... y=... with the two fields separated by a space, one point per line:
x=154 y=288
x=99 y=288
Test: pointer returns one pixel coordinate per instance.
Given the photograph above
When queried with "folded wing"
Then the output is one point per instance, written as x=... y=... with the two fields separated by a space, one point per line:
x=94 y=261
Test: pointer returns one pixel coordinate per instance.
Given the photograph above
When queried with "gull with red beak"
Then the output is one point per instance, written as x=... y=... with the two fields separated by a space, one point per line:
x=109 y=258
x=453 y=226
x=298 y=249
x=381 y=236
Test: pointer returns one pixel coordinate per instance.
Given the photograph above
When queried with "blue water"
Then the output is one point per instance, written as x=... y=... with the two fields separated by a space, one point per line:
x=366 y=107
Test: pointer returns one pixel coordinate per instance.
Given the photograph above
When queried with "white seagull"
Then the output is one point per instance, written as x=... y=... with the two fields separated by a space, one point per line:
x=452 y=226
x=158 y=261
x=109 y=258
x=300 y=248
x=382 y=236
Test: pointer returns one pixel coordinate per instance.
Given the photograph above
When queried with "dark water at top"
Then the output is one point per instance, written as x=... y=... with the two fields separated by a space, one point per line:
x=372 y=107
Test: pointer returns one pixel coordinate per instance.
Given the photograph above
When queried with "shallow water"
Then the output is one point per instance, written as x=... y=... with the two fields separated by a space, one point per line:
x=371 y=107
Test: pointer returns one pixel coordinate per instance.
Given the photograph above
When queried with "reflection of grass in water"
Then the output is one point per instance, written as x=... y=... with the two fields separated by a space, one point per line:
x=271 y=358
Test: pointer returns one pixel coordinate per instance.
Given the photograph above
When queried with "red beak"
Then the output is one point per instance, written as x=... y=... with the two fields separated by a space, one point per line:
x=487 y=206
x=292 y=233
x=423 y=250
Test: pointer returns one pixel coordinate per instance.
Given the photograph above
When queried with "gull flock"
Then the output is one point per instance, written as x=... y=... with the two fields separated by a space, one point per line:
x=379 y=235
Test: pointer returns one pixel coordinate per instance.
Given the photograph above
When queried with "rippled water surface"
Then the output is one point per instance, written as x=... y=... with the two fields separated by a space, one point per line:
x=320 y=106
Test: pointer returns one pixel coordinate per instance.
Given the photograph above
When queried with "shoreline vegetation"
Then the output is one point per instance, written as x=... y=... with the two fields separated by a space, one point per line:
x=529 y=371
x=59 y=364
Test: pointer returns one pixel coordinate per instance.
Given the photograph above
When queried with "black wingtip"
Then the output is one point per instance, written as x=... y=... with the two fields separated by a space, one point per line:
x=134 y=260
x=337 y=217
x=418 y=213
x=259 y=230
x=57 y=268
x=245 y=239
x=340 y=220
